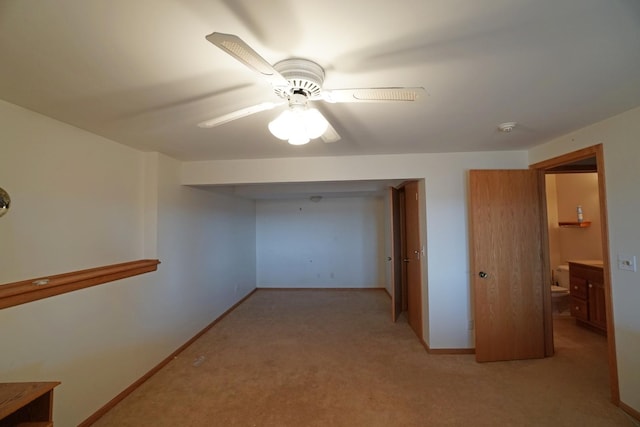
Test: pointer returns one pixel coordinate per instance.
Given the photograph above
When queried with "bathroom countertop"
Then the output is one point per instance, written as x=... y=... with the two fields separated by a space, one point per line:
x=589 y=262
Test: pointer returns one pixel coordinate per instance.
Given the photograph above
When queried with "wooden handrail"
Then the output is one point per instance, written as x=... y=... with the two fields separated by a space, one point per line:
x=25 y=291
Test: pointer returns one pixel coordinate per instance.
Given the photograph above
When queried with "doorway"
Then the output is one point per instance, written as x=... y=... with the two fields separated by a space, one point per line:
x=586 y=160
x=573 y=214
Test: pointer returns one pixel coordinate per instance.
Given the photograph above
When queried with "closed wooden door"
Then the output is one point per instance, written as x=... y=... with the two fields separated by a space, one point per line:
x=507 y=264
x=413 y=255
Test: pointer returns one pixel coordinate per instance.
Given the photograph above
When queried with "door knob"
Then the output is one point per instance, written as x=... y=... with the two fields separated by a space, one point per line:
x=483 y=275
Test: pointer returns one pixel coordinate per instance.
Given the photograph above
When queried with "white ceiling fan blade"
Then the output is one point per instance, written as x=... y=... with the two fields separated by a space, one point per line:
x=380 y=94
x=226 y=118
x=330 y=135
x=241 y=51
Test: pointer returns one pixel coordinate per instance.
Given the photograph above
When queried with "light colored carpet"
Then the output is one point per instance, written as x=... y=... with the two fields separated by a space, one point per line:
x=334 y=358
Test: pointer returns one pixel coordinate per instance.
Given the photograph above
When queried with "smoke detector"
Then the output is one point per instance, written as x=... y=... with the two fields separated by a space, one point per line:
x=507 y=126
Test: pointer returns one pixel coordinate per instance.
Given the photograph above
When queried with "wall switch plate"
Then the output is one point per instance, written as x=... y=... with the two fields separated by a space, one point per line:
x=627 y=262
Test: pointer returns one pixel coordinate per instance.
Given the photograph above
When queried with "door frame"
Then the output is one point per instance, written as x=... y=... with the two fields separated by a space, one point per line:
x=403 y=301
x=597 y=152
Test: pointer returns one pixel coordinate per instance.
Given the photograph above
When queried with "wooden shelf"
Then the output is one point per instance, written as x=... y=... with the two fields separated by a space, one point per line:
x=575 y=224
x=26 y=404
x=12 y=294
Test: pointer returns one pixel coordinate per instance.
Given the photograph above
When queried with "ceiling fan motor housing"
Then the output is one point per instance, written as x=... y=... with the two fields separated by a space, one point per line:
x=304 y=76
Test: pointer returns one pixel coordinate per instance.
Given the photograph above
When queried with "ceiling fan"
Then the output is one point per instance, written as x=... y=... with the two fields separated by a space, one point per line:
x=298 y=81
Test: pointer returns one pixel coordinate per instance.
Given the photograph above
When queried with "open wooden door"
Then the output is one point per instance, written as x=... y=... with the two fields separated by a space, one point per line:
x=396 y=255
x=413 y=254
x=507 y=264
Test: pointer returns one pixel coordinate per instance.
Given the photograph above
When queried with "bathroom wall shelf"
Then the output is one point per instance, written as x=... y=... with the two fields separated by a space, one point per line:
x=575 y=224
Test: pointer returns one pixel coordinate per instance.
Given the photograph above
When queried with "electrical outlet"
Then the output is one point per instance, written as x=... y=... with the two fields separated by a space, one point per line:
x=627 y=262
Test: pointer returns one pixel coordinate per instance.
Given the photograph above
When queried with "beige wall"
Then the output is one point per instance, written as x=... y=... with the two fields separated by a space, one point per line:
x=620 y=137
x=336 y=242
x=78 y=202
x=75 y=198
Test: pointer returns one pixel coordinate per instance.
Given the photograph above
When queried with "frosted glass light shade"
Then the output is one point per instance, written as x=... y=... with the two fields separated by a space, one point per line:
x=280 y=126
x=298 y=125
x=314 y=123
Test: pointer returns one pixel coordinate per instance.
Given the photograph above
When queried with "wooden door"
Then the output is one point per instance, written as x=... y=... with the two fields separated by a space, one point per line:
x=413 y=253
x=396 y=255
x=403 y=249
x=507 y=264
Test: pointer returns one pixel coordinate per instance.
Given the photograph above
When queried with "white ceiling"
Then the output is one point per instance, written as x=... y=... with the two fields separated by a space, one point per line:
x=141 y=72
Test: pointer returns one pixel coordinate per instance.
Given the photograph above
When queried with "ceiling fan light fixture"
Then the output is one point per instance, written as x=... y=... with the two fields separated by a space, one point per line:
x=298 y=81
x=507 y=126
x=280 y=126
x=298 y=139
x=315 y=123
x=298 y=125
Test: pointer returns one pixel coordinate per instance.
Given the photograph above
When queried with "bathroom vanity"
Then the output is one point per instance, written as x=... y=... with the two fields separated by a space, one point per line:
x=586 y=279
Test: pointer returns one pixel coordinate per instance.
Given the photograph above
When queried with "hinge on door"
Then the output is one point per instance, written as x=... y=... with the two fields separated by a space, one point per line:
x=416 y=197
